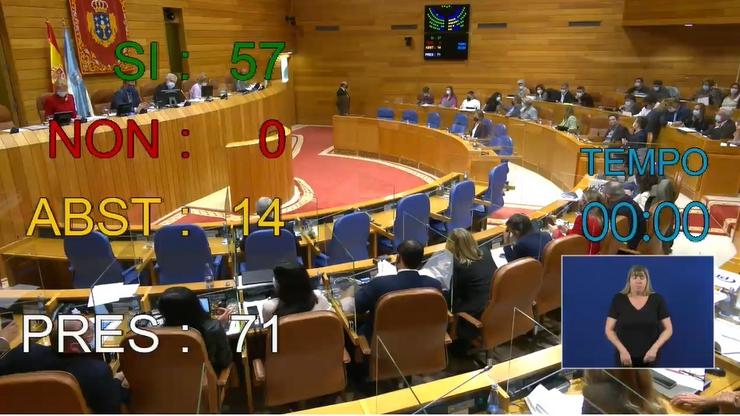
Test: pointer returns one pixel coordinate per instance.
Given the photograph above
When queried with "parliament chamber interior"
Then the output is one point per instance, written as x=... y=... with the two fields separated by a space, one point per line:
x=399 y=207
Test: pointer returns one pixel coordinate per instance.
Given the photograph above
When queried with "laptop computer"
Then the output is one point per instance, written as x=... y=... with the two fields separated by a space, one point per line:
x=206 y=91
x=124 y=109
x=168 y=98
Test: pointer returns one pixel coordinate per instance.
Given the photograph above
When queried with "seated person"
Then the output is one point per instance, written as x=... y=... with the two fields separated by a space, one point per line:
x=170 y=84
x=638 y=138
x=239 y=85
x=659 y=92
x=528 y=111
x=732 y=101
x=408 y=261
x=195 y=90
x=541 y=93
x=723 y=128
x=480 y=128
x=629 y=106
x=698 y=120
x=127 y=94
x=102 y=391
x=724 y=402
x=522 y=90
x=494 y=104
x=565 y=95
x=638 y=88
x=570 y=122
x=620 y=391
x=516 y=107
x=708 y=91
x=583 y=98
x=615 y=194
x=616 y=131
x=294 y=293
x=449 y=100
x=470 y=103
x=522 y=240
x=675 y=113
x=594 y=221
x=472 y=273
x=7 y=335
x=60 y=102
x=180 y=306
x=425 y=97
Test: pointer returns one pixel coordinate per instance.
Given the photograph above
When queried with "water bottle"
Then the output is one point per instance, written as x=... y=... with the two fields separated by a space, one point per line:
x=493 y=407
x=208 y=277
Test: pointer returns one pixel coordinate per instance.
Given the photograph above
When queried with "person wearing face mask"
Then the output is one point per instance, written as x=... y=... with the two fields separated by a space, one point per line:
x=516 y=107
x=638 y=88
x=638 y=138
x=708 y=92
x=541 y=93
x=343 y=99
x=659 y=92
x=494 y=104
x=629 y=107
x=449 y=100
x=732 y=101
x=570 y=122
x=522 y=89
x=697 y=120
x=239 y=85
x=528 y=112
x=616 y=131
x=61 y=101
x=103 y=392
x=565 y=94
x=724 y=127
x=195 y=90
x=480 y=128
x=169 y=84
x=583 y=98
x=127 y=94
x=425 y=97
x=675 y=113
x=470 y=103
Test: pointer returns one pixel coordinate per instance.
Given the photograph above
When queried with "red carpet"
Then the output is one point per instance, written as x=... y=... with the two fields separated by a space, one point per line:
x=340 y=181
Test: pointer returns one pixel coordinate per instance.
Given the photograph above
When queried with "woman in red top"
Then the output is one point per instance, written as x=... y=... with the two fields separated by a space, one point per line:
x=60 y=102
x=595 y=220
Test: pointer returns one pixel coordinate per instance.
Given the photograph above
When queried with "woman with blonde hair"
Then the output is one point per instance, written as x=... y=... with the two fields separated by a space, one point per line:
x=570 y=122
x=200 y=82
x=620 y=391
x=638 y=323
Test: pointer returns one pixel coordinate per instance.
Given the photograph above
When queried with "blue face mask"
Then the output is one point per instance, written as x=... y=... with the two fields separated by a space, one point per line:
x=170 y=84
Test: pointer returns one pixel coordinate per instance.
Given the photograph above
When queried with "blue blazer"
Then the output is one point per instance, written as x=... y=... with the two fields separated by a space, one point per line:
x=367 y=297
x=123 y=96
x=531 y=245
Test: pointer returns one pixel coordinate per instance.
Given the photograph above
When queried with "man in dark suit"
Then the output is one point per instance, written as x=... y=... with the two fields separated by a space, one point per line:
x=583 y=98
x=614 y=195
x=102 y=391
x=565 y=95
x=638 y=88
x=616 y=131
x=522 y=240
x=410 y=256
x=127 y=94
x=675 y=112
x=656 y=118
x=480 y=128
x=724 y=128
x=343 y=99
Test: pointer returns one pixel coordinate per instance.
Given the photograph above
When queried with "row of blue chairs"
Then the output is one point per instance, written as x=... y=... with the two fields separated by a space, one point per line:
x=184 y=260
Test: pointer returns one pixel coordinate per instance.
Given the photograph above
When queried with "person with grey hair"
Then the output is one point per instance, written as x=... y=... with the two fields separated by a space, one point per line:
x=169 y=84
x=615 y=194
x=723 y=128
x=522 y=90
x=262 y=205
x=528 y=112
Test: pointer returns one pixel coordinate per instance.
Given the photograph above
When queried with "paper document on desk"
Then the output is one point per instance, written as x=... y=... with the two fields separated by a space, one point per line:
x=703 y=100
x=727 y=335
x=499 y=257
x=111 y=292
x=385 y=268
x=720 y=297
x=688 y=377
x=686 y=130
x=542 y=401
x=726 y=280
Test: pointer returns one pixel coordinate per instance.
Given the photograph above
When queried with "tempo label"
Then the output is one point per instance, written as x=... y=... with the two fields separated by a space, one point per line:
x=652 y=159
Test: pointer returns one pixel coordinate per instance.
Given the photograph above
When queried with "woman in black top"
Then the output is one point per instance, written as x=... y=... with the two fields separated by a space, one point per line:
x=180 y=306
x=638 y=323
x=472 y=273
x=698 y=120
x=493 y=105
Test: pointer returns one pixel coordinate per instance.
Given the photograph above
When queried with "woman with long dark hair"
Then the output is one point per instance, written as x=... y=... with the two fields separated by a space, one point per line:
x=294 y=293
x=180 y=306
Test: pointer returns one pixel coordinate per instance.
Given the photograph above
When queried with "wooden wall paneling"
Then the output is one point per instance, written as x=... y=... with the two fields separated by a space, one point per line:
x=671 y=12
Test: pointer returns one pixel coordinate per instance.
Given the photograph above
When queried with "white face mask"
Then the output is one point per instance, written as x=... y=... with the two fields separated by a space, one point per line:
x=498 y=99
x=656 y=88
x=733 y=91
x=449 y=92
x=579 y=94
x=563 y=91
x=203 y=84
x=718 y=118
x=62 y=93
x=638 y=85
x=521 y=87
x=696 y=113
x=170 y=84
x=705 y=87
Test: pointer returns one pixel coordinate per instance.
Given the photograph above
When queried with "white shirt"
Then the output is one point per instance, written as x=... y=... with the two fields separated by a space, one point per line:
x=472 y=132
x=644 y=112
x=195 y=91
x=473 y=104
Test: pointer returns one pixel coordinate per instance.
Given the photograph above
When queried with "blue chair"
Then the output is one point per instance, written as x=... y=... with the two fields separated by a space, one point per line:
x=502 y=141
x=411 y=223
x=262 y=250
x=489 y=127
x=460 y=124
x=494 y=194
x=92 y=262
x=348 y=242
x=410 y=116
x=385 y=113
x=459 y=210
x=434 y=120
x=182 y=254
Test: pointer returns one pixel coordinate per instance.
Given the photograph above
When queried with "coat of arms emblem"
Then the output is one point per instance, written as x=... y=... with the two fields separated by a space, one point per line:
x=101 y=23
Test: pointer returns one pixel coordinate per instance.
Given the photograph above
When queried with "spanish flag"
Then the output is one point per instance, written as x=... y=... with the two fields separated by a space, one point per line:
x=55 y=56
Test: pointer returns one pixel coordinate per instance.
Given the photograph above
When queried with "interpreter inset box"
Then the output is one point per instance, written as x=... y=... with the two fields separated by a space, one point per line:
x=638 y=311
